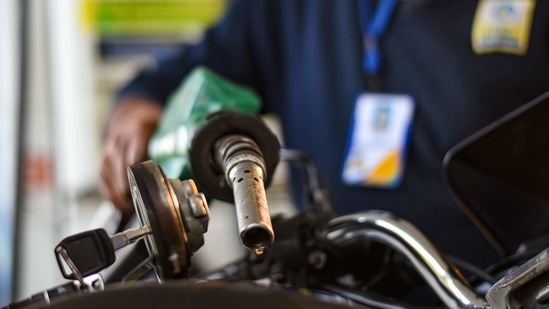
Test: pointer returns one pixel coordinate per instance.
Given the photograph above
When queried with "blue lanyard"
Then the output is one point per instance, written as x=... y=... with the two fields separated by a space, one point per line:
x=373 y=26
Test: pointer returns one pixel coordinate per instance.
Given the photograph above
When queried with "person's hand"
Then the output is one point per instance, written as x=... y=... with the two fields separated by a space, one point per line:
x=130 y=128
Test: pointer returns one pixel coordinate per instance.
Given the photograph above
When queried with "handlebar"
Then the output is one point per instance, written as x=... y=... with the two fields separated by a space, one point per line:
x=401 y=236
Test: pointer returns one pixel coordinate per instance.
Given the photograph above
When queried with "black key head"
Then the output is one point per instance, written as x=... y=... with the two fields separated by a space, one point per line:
x=84 y=254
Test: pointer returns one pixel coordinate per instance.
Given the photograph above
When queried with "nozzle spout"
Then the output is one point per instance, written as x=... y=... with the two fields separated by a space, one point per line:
x=244 y=168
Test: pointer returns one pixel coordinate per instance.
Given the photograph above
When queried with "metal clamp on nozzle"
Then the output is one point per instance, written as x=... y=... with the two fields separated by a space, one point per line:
x=245 y=172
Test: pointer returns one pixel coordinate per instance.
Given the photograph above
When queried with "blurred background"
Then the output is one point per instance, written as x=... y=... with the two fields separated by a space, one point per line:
x=60 y=63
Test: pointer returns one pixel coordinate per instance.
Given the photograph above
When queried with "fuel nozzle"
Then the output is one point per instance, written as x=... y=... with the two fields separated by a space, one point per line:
x=202 y=115
x=233 y=156
x=245 y=172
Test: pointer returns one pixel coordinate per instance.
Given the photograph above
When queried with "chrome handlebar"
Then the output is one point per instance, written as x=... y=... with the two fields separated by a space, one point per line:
x=407 y=240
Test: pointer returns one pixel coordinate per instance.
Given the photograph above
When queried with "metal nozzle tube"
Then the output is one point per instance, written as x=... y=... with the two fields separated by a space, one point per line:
x=245 y=172
x=254 y=221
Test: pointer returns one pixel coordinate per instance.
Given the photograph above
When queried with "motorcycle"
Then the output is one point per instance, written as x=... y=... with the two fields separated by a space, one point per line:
x=370 y=259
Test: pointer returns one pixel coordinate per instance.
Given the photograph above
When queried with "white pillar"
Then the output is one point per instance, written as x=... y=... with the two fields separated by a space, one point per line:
x=9 y=102
x=76 y=138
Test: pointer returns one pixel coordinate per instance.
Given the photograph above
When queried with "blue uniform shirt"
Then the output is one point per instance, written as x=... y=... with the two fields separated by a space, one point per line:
x=304 y=58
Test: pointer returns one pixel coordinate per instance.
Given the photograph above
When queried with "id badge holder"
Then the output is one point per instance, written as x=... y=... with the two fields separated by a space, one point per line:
x=378 y=140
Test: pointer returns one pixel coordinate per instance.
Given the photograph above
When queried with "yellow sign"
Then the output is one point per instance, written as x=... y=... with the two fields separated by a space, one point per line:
x=150 y=17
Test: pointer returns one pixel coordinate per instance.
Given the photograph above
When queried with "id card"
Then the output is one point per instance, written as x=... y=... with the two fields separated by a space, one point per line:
x=378 y=140
x=502 y=26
